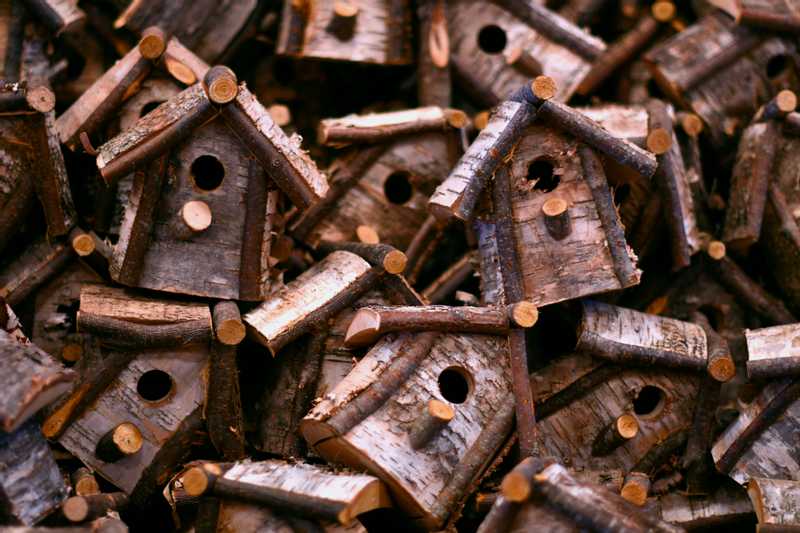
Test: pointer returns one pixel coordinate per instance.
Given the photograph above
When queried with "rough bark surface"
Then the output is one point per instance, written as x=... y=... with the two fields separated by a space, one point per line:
x=775 y=501
x=773 y=352
x=38 y=263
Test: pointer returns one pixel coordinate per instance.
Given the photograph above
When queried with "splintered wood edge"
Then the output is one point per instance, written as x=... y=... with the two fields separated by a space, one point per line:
x=659 y=141
x=127 y=438
x=75 y=509
x=515 y=487
x=367 y=234
x=543 y=87
x=395 y=262
x=364 y=329
x=786 y=101
x=627 y=426
x=440 y=410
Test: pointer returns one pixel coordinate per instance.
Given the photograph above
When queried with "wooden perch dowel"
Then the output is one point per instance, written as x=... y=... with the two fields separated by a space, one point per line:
x=83 y=508
x=720 y=362
x=557 y=219
x=522 y=60
x=193 y=218
x=635 y=488
x=228 y=326
x=615 y=434
x=517 y=485
x=122 y=441
x=343 y=22
x=220 y=84
x=383 y=127
x=382 y=256
x=431 y=420
x=625 y=335
x=372 y=322
x=773 y=352
x=84 y=483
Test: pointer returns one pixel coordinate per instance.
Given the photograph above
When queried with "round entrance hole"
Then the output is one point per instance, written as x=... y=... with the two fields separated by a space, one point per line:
x=397 y=188
x=154 y=385
x=649 y=401
x=207 y=172
x=454 y=384
x=541 y=172
x=492 y=39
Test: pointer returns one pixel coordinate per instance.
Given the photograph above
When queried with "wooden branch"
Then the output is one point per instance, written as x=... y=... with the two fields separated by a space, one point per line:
x=624 y=49
x=772 y=352
x=636 y=487
x=91 y=249
x=223 y=408
x=96 y=105
x=292 y=170
x=762 y=412
x=89 y=507
x=615 y=434
x=293 y=487
x=183 y=64
x=514 y=292
x=674 y=187
x=372 y=322
x=433 y=71
x=555 y=28
x=628 y=336
x=31 y=380
x=50 y=179
x=60 y=16
x=228 y=326
x=131 y=306
x=220 y=84
x=125 y=335
x=624 y=268
x=774 y=502
x=750 y=292
x=155 y=133
x=695 y=457
x=459 y=193
x=777 y=15
x=84 y=482
x=387 y=126
x=310 y=300
x=749 y=183
x=443 y=286
x=382 y=256
x=120 y=442
x=343 y=179
x=720 y=366
x=37 y=264
x=431 y=420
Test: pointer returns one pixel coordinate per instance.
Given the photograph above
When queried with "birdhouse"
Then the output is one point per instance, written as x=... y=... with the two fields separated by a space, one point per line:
x=496 y=49
x=365 y=31
x=200 y=182
x=131 y=416
x=722 y=72
x=424 y=412
x=383 y=187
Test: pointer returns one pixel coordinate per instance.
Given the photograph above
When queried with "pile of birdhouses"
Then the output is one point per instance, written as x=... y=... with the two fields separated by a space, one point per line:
x=379 y=265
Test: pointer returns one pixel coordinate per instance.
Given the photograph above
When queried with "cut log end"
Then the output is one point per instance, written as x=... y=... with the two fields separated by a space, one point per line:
x=221 y=84
x=153 y=43
x=692 y=124
x=556 y=218
x=364 y=329
x=627 y=426
x=395 y=262
x=524 y=314
x=83 y=244
x=515 y=487
x=84 y=482
x=543 y=87
x=456 y=118
x=71 y=353
x=180 y=71
x=195 y=481
x=659 y=141
x=41 y=99
x=280 y=114
x=635 y=488
x=75 y=509
x=367 y=235
x=716 y=250
x=440 y=410
x=663 y=11
x=786 y=101
x=196 y=215
x=122 y=441
x=231 y=332
x=481 y=120
x=722 y=369
x=345 y=9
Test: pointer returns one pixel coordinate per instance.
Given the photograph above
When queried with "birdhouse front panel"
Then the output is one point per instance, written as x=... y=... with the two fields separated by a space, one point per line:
x=155 y=393
x=213 y=169
x=483 y=39
x=545 y=165
x=391 y=198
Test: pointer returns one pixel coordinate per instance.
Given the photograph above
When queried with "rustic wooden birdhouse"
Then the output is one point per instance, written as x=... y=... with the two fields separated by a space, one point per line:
x=412 y=404
x=722 y=72
x=380 y=190
x=31 y=485
x=496 y=49
x=366 y=31
x=33 y=165
x=132 y=415
x=207 y=186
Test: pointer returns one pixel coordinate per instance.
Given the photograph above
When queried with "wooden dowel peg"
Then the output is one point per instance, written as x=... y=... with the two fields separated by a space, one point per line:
x=122 y=441
x=778 y=107
x=382 y=256
x=618 y=432
x=434 y=417
x=220 y=84
x=691 y=124
x=193 y=218
x=556 y=218
x=522 y=60
x=228 y=326
x=343 y=22
x=81 y=242
x=153 y=43
x=523 y=314
x=720 y=362
x=84 y=482
x=88 y=507
x=71 y=352
x=517 y=485
x=659 y=140
x=636 y=487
